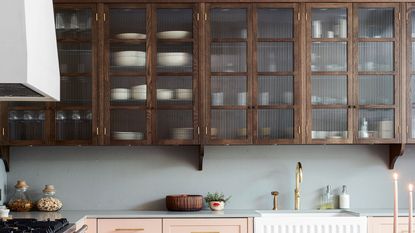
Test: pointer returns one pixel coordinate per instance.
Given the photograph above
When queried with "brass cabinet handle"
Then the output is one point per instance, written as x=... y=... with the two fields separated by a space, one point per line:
x=97 y=131
x=129 y=229
x=3 y=131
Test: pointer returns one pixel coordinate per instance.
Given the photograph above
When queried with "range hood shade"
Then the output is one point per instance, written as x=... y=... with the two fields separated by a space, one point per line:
x=28 y=51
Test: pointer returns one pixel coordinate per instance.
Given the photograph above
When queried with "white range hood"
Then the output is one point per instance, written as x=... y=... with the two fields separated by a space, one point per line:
x=29 y=67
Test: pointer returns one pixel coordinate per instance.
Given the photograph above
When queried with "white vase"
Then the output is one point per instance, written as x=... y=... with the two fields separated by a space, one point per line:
x=217 y=205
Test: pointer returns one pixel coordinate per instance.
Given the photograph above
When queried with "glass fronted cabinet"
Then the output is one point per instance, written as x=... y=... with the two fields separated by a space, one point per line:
x=229 y=101
x=127 y=80
x=276 y=97
x=75 y=116
x=377 y=118
x=176 y=74
x=329 y=73
x=410 y=67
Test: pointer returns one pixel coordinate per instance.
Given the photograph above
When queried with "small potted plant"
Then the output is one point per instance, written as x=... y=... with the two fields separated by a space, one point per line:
x=216 y=201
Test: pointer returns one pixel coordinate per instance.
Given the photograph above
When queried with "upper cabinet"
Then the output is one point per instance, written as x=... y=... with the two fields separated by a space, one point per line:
x=75 y=117
x=410 y=70
x=252 y=78
x=353 y=73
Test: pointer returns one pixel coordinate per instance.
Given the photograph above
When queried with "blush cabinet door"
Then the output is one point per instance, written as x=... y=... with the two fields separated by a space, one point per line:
x=205 y=225
x=385 y=225
x=129 y=226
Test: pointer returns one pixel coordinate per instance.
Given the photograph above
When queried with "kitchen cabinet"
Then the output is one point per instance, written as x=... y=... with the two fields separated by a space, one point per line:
x=410 y=71
x=129 y=225
x=353 y=73
x=252 y=78
x=236 y=225
x=151 y=81
x=385 y=224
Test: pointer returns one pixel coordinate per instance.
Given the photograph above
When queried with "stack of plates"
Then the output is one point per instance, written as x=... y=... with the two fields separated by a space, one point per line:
x=129 y=58
x=117 y=135
x=139 y=92
x=164 y=94
x=182 y=133
x=183 y=94
x=174 y=35
x=131 y=36
x=120 y=94
x=174 y=59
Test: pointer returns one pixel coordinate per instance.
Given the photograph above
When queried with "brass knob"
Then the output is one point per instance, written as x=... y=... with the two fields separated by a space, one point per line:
x=275 y=194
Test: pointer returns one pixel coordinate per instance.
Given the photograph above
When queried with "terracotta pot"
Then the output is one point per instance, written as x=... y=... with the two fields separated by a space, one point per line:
x=217 y=205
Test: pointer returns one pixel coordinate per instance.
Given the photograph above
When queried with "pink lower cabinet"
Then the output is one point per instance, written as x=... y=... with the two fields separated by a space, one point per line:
x=129 y=226
x=222 y=225
x=385 y=225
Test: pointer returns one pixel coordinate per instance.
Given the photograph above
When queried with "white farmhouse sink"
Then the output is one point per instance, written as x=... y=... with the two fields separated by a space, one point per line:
x=313 y=221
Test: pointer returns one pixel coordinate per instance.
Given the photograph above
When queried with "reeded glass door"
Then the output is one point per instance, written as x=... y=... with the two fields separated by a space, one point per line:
x=75 y=115
x=377 y=71
x=228 y=74
x=329 y=73
x=276 y=97
x=410 y=38
x=175 y=74
x=127 y=91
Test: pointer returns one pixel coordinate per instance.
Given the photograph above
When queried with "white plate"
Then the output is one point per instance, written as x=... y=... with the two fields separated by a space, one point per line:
x=129 y=53
x=164 y=94
x=131 y=36
x=174 y=35
x=174 y=59
x=128 y=135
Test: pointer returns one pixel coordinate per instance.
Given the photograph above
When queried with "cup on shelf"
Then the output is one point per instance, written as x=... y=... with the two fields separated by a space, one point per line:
x=217 y=99
x=330 y=34
x=385 y=129
x=316 y=29
x=242 y=98
x=164 y=94
x=264 y=98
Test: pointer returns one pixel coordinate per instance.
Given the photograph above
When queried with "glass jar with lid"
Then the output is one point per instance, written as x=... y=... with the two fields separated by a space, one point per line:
x=49 y=202
x=20 y=201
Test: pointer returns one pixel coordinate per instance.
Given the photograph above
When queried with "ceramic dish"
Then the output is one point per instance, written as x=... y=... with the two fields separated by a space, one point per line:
x=174 y=35
x=131 y=36
x=182 y=133
x=183 y=94
x=128 y=135
x=129 y=58
x=120 y=94
x=164 y=94
x=174 y=59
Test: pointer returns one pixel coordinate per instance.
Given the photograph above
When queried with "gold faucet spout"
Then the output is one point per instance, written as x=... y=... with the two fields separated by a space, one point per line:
x=298 y=180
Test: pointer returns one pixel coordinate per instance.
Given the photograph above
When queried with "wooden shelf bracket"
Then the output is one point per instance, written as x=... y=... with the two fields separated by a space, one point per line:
x=201 y=156
x=395 y=151
x=5 y=156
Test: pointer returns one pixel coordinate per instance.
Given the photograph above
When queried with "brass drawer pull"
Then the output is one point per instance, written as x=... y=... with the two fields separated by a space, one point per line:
x=129 y=229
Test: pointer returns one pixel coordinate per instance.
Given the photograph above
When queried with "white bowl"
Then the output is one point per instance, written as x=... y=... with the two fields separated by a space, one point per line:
x=129 y=53
x=182 y=133
x=128 y=135
x=139 y=88
x=129 y=58
x=184 y=94
x=131 y=36
x=139 y=95
x=120 y=94
x=174 y=59
x=174 y=35
x=164 y=94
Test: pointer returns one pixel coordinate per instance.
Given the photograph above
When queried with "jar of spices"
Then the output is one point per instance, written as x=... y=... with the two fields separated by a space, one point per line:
x=20 y=201
x=49 y=202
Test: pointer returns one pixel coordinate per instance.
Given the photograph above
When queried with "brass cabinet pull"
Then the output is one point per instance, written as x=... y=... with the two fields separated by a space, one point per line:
x=129 y=229
x=3 y=131
x=105 y=131
x=97 y=131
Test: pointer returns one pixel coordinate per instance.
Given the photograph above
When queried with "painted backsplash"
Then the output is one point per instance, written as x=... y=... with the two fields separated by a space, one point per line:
x=138 y=178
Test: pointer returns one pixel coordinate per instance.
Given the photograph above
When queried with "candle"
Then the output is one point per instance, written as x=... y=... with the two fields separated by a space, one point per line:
x=411 y=188
x=395 y=203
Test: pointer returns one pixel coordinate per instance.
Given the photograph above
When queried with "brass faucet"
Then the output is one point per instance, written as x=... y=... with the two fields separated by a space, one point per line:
x=298 y=180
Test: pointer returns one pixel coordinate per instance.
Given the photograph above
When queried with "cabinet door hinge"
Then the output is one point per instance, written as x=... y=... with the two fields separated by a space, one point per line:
x=298 y=16
x=197 y=16
x=96 y=16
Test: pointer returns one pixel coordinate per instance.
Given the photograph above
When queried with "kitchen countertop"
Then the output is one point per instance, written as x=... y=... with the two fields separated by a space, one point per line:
x=77 y=216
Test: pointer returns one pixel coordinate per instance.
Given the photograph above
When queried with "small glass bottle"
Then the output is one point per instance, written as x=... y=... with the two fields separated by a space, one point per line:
x=20 y=201
x=327 y=200
x=49 y=202
x=344 y=199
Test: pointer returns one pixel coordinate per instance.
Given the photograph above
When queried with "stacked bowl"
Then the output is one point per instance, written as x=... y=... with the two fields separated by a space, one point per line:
x=129 y=58
x=139 y=92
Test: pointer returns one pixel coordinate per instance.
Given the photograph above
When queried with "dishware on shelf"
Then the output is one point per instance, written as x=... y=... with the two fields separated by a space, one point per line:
x=242 y=98
x=343 y=28
x=76 y=115
x=318 y=134
x=217 y=99
x=264 y=98
x=59 y=21
x=183 y=94
x=131 y=36
x=120 y=94
x=174 y=59
x=118 y=135
x=74 y=22
x=174 y=35
x=182 y=133
x=60 y=115
x=139 y=92
x=317 y=33
x=330 y=34
x=164 y=94
x=129 y=58
x=213 y=132
x=385 y=129
x=28 y=115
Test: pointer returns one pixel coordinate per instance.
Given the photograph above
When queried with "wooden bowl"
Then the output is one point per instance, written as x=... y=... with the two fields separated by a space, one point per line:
x=184 y=202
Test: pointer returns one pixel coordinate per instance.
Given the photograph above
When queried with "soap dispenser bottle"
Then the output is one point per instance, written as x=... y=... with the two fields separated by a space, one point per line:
x=344 y=199
x=327 y=200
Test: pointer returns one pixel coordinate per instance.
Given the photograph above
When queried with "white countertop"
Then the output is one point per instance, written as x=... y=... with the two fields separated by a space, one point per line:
x=77 y=216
